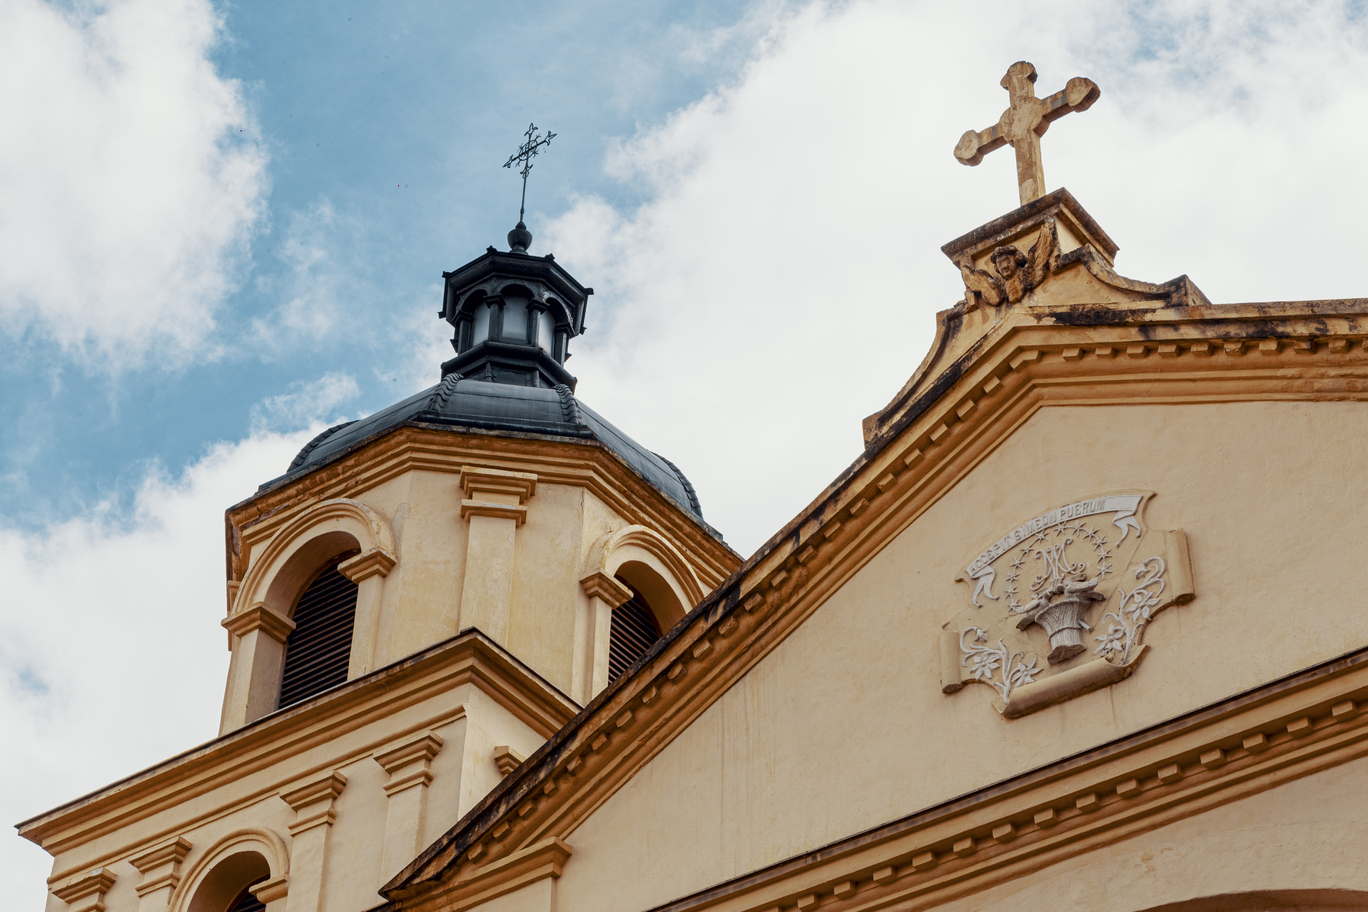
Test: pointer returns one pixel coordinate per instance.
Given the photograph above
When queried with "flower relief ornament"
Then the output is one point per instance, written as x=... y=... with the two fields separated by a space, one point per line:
x=1058 y=606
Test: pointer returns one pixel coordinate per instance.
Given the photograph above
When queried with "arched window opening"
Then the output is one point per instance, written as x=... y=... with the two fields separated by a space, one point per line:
x=635 y=630
x=246 y=902
x=225 y=888
x=319 y=648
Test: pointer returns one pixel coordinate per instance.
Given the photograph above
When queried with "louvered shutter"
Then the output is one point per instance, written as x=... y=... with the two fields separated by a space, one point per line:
x=246 y=902
x=318 y=649
x=635 y=630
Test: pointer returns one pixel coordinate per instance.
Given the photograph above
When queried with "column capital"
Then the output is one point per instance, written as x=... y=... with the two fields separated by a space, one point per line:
x=375 y=562
x=423 y=747
x=259 y=617
x=160 y=866
x=496 y=493
x=601 y=585
x=313 y=801
x=85 y=893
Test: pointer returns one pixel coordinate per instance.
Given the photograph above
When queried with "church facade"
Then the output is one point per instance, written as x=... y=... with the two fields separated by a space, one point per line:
x=1079 y=629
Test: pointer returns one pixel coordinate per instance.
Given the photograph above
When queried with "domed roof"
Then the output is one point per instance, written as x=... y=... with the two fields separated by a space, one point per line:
x=504 y=407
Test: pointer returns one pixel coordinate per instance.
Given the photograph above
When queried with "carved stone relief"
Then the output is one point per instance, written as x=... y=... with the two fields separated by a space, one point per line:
x=1058 y=606
x=1014 y=274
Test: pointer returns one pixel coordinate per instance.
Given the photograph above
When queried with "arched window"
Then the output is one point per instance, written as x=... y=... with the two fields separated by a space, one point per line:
x=319 y=648
x=635 y=630
x=226 y=885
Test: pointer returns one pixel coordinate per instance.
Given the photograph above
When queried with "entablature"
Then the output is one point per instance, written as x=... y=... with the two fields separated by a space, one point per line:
x=366 y=702
x=556 y=461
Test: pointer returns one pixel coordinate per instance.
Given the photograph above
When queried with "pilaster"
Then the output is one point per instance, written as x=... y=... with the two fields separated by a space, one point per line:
x=314 y=816
x=86 y=892
x=160 y=870
x=257 y=638
x=593 y=630
x=368 y=571
x=410 y=770
x=494 y=506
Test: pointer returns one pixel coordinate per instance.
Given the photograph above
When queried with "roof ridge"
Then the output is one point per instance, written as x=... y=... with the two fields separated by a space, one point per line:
x=309 y=447
x=569 y=407
x=440 y=394
x=688 y=486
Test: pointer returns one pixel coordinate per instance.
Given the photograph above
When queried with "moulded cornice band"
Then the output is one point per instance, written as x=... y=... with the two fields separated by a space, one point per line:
x=259 y=617
x=476 y=480
x=471 y=508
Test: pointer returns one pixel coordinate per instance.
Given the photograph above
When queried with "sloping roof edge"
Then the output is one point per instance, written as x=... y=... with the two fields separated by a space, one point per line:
x=1012 y=347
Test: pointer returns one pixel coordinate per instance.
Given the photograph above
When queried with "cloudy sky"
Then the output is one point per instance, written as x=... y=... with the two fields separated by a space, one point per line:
x=223 y=226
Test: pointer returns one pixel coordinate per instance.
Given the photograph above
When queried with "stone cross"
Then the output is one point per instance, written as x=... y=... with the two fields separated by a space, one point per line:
x=1024 y=122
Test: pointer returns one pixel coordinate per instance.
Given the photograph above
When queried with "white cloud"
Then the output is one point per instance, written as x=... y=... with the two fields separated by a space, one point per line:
x=425 y=341
x=111 y=655
x=310 y=403
x=782 y=279
x=321 y=288
x=130 y=176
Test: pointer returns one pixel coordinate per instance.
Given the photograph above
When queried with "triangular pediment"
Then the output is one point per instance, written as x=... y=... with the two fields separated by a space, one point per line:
x=1079 y=337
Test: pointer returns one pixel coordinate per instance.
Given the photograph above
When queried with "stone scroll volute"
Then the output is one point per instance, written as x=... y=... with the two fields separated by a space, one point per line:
x=1058 y=606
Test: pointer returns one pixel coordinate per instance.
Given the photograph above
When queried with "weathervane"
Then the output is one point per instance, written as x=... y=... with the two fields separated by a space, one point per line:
x=1024 y=122
x=526 y=152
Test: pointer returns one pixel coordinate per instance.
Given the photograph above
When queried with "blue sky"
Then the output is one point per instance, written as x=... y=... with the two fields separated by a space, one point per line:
x=383 y=128
x=223 y=227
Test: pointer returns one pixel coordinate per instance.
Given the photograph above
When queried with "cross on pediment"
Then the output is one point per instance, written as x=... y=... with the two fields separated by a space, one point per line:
x=1024 y=122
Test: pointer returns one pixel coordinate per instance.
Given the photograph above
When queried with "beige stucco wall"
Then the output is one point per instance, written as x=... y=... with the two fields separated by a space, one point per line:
x=423 y=593
x=843 y=726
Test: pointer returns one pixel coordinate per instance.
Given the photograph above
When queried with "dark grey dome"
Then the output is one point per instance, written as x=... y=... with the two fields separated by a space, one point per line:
x=503 y=407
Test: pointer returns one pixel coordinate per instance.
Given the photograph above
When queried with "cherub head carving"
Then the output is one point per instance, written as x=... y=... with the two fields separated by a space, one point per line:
x=1014 y=274
x=1007 y=260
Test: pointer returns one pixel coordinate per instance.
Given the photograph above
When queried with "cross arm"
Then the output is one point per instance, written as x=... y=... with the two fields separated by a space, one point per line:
x=975 y=144
x=1078 y=95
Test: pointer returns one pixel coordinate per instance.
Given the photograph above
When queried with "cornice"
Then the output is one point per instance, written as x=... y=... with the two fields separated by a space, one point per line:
x=578 y=463
x=469 y=658
x=1036 y=358
x=544 y=859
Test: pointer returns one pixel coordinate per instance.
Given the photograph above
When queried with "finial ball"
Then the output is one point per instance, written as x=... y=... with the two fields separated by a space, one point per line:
x=519 y=239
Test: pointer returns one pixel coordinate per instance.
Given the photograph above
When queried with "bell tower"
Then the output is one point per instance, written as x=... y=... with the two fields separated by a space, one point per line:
x=423 y=598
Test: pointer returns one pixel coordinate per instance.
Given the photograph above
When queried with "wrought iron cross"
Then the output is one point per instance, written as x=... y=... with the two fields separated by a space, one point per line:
x=1024 y=122
x=526 y=152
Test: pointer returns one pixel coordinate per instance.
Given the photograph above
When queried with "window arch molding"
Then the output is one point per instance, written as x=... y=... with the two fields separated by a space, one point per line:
x=632 y=558
x=260 y=621
x=229 y=865
x=321 y=532
x=647 y=561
